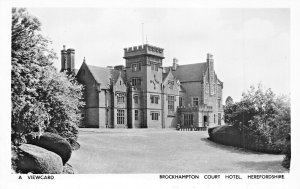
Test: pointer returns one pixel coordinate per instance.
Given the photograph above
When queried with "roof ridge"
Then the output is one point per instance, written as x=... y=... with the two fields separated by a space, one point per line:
x=192 y=64
x=98 y=66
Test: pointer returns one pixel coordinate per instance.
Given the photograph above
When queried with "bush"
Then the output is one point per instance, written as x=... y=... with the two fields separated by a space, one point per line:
x=53 y=143
x=287 y=151
x=262 y=118
x=227 y=135
x=37 y=160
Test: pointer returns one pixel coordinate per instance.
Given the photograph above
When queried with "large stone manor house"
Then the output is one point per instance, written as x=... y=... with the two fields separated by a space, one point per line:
x=144 y=94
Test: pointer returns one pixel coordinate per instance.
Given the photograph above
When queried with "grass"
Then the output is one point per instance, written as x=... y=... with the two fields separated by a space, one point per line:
x=164 y=151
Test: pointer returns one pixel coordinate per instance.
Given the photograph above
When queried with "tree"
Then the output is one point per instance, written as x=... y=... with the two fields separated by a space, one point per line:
x=41 y=97
x=228 y=101
x=262 y=117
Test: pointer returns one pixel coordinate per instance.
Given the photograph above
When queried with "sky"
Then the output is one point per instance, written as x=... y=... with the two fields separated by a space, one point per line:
x=250 y=46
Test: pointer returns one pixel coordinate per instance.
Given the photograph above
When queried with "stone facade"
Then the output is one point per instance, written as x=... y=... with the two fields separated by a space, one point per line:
x=144 y=94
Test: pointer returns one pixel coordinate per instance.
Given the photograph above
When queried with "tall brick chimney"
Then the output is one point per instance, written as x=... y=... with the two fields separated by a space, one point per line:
x=63 y=58
x=175 y=64
x=68 y=60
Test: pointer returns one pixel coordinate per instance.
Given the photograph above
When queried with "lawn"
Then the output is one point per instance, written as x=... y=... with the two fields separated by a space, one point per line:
x=164 y=151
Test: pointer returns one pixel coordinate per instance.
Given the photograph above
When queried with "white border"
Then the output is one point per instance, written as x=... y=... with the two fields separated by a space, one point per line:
x=142 y=180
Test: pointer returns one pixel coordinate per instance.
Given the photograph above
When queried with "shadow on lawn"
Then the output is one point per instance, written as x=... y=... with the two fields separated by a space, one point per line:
x=231 y=149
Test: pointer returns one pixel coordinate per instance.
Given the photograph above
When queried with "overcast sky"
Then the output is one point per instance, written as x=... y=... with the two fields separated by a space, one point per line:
x=249 y=45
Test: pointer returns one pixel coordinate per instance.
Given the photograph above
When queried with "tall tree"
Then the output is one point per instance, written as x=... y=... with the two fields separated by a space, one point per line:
x=229 y=101
x=41 y=97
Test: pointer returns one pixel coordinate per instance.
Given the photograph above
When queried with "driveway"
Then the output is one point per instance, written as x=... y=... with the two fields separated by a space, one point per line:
x=164 y=151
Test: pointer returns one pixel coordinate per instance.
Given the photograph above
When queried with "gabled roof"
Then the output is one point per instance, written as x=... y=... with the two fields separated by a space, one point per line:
x=190 y=72
x=164 y=75
x=103 y=75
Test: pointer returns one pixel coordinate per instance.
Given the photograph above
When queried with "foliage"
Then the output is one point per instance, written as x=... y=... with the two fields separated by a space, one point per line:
x=287 y=151
x=41 y=97
x=37 y=160
x=226 y=135
x=54 y=143
x=229 y=100
x=263 y=119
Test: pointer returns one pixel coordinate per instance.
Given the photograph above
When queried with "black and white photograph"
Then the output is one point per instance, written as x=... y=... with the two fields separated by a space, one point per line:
x=160 y=92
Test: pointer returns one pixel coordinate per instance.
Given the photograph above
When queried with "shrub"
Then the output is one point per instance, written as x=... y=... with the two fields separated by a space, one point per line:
x=227 y=135
x=37 y=160
x=53 y=143
x=262 y=118
x=287 y=151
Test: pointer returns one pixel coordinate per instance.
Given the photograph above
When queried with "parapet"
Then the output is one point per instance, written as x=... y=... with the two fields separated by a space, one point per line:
x=143 y=50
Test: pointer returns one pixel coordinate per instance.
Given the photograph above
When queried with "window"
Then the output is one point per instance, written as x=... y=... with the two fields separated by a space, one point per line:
x=136 y=115
x=120 y=98
x=136 y=81
x=136 y=99
x=171 y=100
x=195 y=101
x=171 y=84
x=154 y=66
x=188 y=119
x=219 y=118
x=219 y=103
x=120 y=116
x=136 y=67
x=120 y=82
x=214 y=118
x=154 y=99
x=180 y=101
x=154 y=116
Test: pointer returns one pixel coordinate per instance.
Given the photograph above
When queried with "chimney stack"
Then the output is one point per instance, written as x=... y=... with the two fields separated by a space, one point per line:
x=67 y=60
x=70 y=60
x=63 y=59
x=175 y=64
x=210 y=57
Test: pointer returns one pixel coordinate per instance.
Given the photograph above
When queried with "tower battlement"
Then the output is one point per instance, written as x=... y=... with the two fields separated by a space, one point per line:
x=143 y=50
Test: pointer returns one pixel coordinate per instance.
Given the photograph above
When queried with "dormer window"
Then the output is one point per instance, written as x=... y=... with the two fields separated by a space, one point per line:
x=120 y=98
x=171 y=84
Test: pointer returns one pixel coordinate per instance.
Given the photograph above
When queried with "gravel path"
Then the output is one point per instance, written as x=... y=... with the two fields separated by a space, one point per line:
x=164 y=151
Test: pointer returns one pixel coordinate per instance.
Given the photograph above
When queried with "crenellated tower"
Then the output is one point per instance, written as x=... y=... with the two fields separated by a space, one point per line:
x=143 y=66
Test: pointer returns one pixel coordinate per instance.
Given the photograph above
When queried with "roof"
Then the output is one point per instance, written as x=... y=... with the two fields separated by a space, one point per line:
x=190 y=72
x=103 y=75
x=164 y=75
